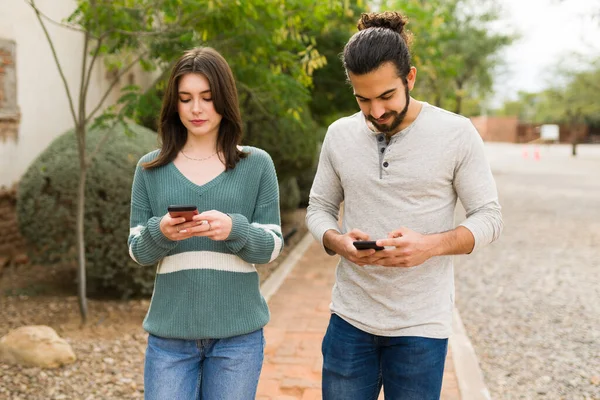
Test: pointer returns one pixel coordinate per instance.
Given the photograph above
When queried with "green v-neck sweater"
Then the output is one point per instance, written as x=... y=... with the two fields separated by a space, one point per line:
x=207 y=289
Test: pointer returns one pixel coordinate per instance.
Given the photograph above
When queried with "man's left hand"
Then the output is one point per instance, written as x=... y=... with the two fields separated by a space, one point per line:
x=410 y=249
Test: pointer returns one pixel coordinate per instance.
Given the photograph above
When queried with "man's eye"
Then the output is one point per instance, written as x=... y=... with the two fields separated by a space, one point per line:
x=386 y=98
x=362 y=100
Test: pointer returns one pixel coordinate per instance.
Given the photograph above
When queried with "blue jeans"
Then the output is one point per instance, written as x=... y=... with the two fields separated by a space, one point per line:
x=208 y=369
x=357 y=364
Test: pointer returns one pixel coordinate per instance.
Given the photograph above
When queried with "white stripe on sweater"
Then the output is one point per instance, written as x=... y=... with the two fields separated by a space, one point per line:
x=271 y=227
x=277 y=242
x=204 y=260
x=134 y=232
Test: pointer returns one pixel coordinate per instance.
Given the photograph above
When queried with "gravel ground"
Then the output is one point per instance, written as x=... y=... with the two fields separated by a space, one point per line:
x=531 y=301
x=110 y=348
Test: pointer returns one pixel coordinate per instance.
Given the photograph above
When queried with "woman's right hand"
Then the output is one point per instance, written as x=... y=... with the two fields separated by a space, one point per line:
x=175 y=228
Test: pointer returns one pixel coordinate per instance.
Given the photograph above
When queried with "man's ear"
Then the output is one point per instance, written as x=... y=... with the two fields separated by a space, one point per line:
x=411 y=78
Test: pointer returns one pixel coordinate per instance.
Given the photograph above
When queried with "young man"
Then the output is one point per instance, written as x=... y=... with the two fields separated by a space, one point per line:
x=399 y=166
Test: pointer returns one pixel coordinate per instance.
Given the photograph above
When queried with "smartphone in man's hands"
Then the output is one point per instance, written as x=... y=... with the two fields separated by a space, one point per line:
x=183 y=210
x=366 y=245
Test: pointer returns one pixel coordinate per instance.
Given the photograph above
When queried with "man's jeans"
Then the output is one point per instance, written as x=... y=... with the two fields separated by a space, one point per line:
x=356 y=364
x=207 y=369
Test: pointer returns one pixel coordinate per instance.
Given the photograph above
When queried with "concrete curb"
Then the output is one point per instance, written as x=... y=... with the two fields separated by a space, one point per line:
x=468 y=374
x=274 y=281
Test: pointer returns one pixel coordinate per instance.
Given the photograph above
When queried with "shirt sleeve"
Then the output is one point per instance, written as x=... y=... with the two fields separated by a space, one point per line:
x=147 y=244
x=326 y=195
x=259 y=240
x=476 y=189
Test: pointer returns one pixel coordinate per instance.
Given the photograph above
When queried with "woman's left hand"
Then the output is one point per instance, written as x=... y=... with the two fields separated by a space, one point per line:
x=212 y=224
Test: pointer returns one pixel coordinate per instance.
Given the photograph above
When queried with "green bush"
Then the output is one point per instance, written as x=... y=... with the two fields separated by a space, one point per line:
x=305 y=179
x=47 y=200
x=291 y=143
x=289 y=194
x=289 y=199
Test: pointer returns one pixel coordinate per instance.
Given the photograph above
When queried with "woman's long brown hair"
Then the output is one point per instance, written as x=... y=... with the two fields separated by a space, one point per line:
x=171 y=131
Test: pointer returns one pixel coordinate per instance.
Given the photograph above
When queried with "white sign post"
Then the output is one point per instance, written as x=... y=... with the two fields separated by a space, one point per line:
x=549 y=133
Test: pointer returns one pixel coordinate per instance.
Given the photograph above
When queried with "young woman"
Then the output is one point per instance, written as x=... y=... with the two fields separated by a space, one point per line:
x=206 y=316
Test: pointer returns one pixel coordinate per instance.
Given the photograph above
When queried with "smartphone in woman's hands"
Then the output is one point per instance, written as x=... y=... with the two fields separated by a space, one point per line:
x=183 y=210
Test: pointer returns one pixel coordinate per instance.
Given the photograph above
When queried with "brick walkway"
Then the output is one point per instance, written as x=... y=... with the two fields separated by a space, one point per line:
x=299 y=318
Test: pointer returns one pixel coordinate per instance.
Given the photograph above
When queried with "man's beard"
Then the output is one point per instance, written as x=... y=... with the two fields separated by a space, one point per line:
x=398 y=118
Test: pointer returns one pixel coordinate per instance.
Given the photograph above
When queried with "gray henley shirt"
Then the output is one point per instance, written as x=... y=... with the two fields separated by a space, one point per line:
x=414 y=181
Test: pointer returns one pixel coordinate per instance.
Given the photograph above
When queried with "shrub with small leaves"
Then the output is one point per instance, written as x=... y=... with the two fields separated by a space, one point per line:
x=289 y=194
x=47 y=201
x=289 y=199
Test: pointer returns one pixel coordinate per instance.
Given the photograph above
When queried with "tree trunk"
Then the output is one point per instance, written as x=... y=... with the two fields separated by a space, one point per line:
x=459 y=96
x=81 y=271
x=458 y=107
x=574 y=135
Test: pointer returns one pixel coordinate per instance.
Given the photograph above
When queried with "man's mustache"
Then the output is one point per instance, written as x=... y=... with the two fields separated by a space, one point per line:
x=384 y=116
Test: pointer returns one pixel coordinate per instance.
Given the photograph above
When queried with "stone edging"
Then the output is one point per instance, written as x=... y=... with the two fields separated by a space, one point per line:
x=468 y=374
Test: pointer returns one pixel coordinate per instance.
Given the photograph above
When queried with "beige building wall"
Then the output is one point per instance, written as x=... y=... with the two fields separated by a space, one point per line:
x=29 y=80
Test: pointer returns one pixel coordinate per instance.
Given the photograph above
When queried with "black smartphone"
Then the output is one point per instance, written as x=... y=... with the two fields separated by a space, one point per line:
x=367 y=244
x=184 y=210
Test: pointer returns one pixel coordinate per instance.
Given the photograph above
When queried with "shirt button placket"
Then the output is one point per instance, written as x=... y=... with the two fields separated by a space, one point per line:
x=381 y=145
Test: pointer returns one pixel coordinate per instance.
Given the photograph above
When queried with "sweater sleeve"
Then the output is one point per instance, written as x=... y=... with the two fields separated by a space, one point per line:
x=477 y=191
x=260 y=239
x=147 y=244
x=326 y=195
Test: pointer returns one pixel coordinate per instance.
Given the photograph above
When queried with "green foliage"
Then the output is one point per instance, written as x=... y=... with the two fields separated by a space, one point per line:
x=291 y=143
x=524 y=107
x=305 y=180
x=455 y=51
x=273 y=48
x=289 y=194
x=332 y=96
x=574 y=100
x=49 y=189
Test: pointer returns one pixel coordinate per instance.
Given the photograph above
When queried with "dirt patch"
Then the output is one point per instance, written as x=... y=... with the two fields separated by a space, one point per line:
x=110 y=347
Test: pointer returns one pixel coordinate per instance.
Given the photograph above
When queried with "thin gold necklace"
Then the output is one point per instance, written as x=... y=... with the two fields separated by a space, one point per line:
x=198 y=159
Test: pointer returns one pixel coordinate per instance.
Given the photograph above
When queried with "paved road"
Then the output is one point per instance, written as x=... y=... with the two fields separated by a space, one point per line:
x=530 y=302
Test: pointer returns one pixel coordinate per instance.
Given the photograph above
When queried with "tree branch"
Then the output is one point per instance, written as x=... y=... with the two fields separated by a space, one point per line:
x=82 y=93
x=56 y=60
x=252 y=96
x=92 y=62
x=166 y=71
x=147 y=33
x=114 y=83
x=47 y=18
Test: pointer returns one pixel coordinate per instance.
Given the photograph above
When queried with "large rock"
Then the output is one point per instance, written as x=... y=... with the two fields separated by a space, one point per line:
x=35 y=346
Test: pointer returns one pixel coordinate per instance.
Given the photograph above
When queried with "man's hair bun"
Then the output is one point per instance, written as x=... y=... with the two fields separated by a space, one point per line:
x=388 y=19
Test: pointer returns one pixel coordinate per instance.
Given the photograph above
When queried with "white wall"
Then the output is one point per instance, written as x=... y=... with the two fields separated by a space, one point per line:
x=41 y=95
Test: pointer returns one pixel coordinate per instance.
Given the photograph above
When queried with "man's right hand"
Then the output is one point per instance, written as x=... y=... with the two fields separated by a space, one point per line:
x=343 y=245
